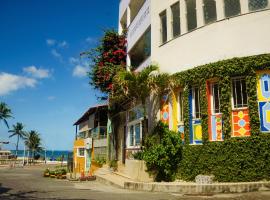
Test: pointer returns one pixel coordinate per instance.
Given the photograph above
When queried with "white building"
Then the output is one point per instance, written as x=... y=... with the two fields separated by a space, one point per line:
x=181 y=34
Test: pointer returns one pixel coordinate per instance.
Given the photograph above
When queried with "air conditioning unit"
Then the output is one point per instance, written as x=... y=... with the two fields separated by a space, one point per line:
x=88 y=143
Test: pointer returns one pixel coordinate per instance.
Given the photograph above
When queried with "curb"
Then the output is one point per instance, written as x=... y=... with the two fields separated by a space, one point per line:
x=198 y=189
x=108 y=182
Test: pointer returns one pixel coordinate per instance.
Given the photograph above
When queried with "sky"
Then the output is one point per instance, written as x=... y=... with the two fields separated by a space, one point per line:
x=42 y=77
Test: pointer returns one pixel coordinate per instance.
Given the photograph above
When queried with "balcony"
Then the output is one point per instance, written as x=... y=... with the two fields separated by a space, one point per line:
x=100 y=132
x=141 y=21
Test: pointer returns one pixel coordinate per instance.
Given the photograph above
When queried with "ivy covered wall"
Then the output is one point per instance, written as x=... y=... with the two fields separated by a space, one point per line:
x=223 y=72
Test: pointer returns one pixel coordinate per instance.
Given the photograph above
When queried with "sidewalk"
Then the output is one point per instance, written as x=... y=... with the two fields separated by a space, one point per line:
x=111 y=178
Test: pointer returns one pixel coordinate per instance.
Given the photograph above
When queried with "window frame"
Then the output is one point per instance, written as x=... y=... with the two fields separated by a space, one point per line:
x=78 y=151
x=224 y=8
x=204 y=13
x=194 y=112
x=254 y=10
x=187 y=19
x=180 y=109
x=176 y=4
x=213 y=110
x=134 y=123
x=234 y=90
x=163 y=38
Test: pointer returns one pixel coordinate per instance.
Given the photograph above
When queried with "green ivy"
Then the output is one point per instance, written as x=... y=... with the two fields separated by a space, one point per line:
x=234 y=160
x=223 y=71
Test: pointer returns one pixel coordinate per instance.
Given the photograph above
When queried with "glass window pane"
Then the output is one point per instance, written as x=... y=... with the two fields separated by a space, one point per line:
x=244 y=93
x=232 y=7
x=215 y=93
x=197 y=102
x=191 y=14
x=131 y=136
x=210 y=13
x=163 y=20
x=175 y=19
x=257 y=4
x=181 y=103
x=239 y=93
x=137 y=134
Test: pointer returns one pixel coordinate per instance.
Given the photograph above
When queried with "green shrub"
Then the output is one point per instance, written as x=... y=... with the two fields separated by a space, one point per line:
x=162 y=153
x=113 y=164
x=138 y=155
x=234 y=160
x=100 y=160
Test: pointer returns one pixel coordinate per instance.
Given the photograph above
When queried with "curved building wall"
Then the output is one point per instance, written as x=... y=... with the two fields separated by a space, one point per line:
x=243 y=35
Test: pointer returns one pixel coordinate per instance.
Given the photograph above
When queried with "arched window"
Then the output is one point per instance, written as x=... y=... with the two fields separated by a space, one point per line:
x=257 y=4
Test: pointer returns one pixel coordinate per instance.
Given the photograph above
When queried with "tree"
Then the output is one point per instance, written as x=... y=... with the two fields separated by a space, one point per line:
x=5 y=113
x=140 y=86
x=33 y=142
x=107 y=59
x=18 y=130
x=137 y=85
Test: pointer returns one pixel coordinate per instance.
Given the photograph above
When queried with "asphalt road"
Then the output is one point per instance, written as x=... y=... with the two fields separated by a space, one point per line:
x=28 y=183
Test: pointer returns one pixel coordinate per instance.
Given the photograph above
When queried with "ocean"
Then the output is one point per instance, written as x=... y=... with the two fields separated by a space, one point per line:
x=50 y=154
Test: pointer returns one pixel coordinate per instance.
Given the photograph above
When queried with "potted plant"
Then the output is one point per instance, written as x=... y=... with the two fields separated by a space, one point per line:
x=46 y=173
x=52 y=174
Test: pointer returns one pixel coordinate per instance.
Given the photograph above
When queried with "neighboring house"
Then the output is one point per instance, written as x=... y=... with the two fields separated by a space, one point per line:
x=180 y=35
x=91 y=138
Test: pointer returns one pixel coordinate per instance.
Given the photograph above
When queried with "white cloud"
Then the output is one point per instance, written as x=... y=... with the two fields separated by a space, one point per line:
x=51 y=98
x=56 y=54
x=74 y=61
x=37 y=73
x=12 y=82
x=80 y=71
x=63 y=44
x=51 y=42
x=91 y=40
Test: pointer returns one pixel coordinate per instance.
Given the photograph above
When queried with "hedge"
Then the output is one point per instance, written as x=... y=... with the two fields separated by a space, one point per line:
x=234 y=160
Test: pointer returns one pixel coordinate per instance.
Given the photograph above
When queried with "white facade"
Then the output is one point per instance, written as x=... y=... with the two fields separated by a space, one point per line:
x=244 y=34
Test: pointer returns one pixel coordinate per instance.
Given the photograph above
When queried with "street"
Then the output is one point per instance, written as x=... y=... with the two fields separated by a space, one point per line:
x=28 y=183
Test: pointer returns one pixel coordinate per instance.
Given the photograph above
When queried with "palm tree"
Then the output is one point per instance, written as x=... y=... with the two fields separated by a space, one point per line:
x=33 y=142
x=5 y=113
x=19 y=132
x=140 y=85
x=137 y=85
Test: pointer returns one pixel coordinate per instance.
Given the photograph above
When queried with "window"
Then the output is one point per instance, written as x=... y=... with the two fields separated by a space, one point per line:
x=196 y=103
x=82 y=135
x=232 y=7
x=180 y=107
x=239 y=93
x=134 y=135
x=210 y=12
x=163 y=30
x=191 y=14
x=80 y=152
x=257 y=4
x=175 y=19
x=141 y=50
x=215 y=98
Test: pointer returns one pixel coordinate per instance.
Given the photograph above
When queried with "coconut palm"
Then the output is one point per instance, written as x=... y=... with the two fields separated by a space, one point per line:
x=18 y=130
x=33 y=142
x=5 y=113
x=140 y=85
x=137 y=85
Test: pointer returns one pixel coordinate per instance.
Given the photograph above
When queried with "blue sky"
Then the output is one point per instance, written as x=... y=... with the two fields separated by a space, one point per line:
x=42 y=77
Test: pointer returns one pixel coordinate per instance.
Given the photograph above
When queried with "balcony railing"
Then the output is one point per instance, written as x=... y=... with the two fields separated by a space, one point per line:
x=99 y=132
